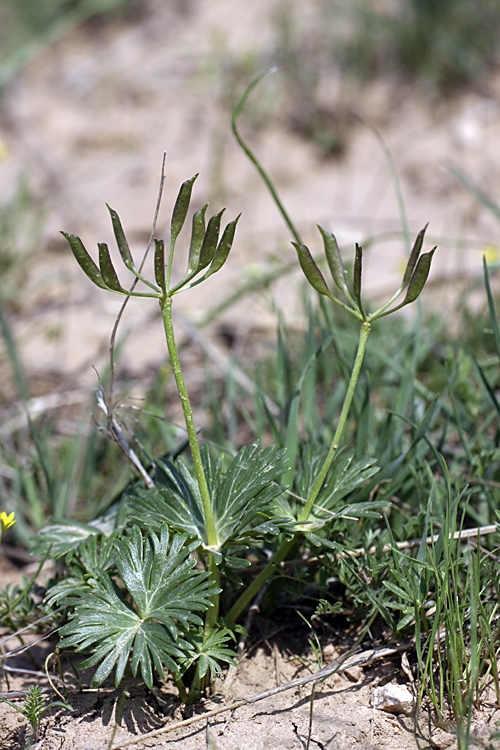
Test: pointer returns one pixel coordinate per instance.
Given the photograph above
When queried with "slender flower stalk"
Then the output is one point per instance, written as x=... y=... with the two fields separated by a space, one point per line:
x=318 y=484
x=166 y=309
x=285 y=549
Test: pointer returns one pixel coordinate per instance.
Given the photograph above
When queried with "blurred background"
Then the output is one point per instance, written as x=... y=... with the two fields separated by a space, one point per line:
x=376 y=105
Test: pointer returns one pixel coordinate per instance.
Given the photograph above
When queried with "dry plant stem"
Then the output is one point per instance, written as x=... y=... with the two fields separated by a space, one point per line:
x=472 y=534
x=116 y=433
x=287 y=547
x=134 y=284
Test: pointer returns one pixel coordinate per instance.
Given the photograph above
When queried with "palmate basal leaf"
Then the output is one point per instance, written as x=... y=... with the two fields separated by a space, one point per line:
x=242 y=497
x=93 y=554
x=208 y=651
x=61 y=537
x=346 y=475
x=166 y=593
x=175 y=500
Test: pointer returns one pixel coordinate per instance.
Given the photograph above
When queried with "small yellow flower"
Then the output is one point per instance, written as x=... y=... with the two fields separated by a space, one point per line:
x=6 y=522
x=491 y=254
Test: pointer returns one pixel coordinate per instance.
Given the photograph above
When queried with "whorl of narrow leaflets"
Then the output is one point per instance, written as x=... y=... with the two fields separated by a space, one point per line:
x=205 y=251
x=414 y=278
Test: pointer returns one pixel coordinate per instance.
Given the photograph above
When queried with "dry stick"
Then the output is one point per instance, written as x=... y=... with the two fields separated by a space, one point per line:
x=22 y=649
x=112 y=422
x=463 y=534
x=30 y=626
x=346 y=661
x=117 y=433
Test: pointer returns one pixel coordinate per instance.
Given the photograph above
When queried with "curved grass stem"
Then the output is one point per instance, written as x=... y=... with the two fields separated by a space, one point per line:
x=258 y=166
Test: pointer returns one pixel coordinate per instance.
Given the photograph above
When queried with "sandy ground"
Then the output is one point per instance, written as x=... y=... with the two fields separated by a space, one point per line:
x=344 y=710
x=87 y=123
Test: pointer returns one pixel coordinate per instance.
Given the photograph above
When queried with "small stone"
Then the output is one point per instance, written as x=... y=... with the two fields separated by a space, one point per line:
x=441 y=739
x=395 y=699
x=329 y=652
x=354 y=674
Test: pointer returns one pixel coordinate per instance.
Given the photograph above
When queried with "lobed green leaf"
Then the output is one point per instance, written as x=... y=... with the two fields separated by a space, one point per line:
x=242 y=497
x=334 y=259
x=166 y=593
x=345 y=476
x=357 y=275
x=210 y=240
x=419 y=277
x=223 y=248
x=61 y=536
x=414 y=256
x=247 y=488
x=208 y=651
x=108 y=272
x=174 y=500
x=197 y=236
x=159 y=264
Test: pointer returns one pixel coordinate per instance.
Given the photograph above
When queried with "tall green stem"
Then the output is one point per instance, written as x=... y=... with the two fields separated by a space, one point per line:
x=166 y=309
x=286 y=547
x=318 y=484
x=256 y=585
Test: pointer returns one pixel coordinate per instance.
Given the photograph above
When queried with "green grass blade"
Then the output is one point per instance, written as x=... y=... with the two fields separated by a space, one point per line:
x=491 y=307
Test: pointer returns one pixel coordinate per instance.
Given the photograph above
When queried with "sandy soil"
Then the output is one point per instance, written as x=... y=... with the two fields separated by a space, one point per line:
x=343 y=710
x=87 y=123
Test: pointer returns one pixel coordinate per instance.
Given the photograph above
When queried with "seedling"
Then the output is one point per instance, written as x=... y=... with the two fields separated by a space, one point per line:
x=33 y=708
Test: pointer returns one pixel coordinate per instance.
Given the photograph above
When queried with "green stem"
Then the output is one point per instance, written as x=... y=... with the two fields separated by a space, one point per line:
x=212 y=612
x=318 y=484
x=256 y=585
x=287 y=546
x=166 y=309
x=183 y=695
